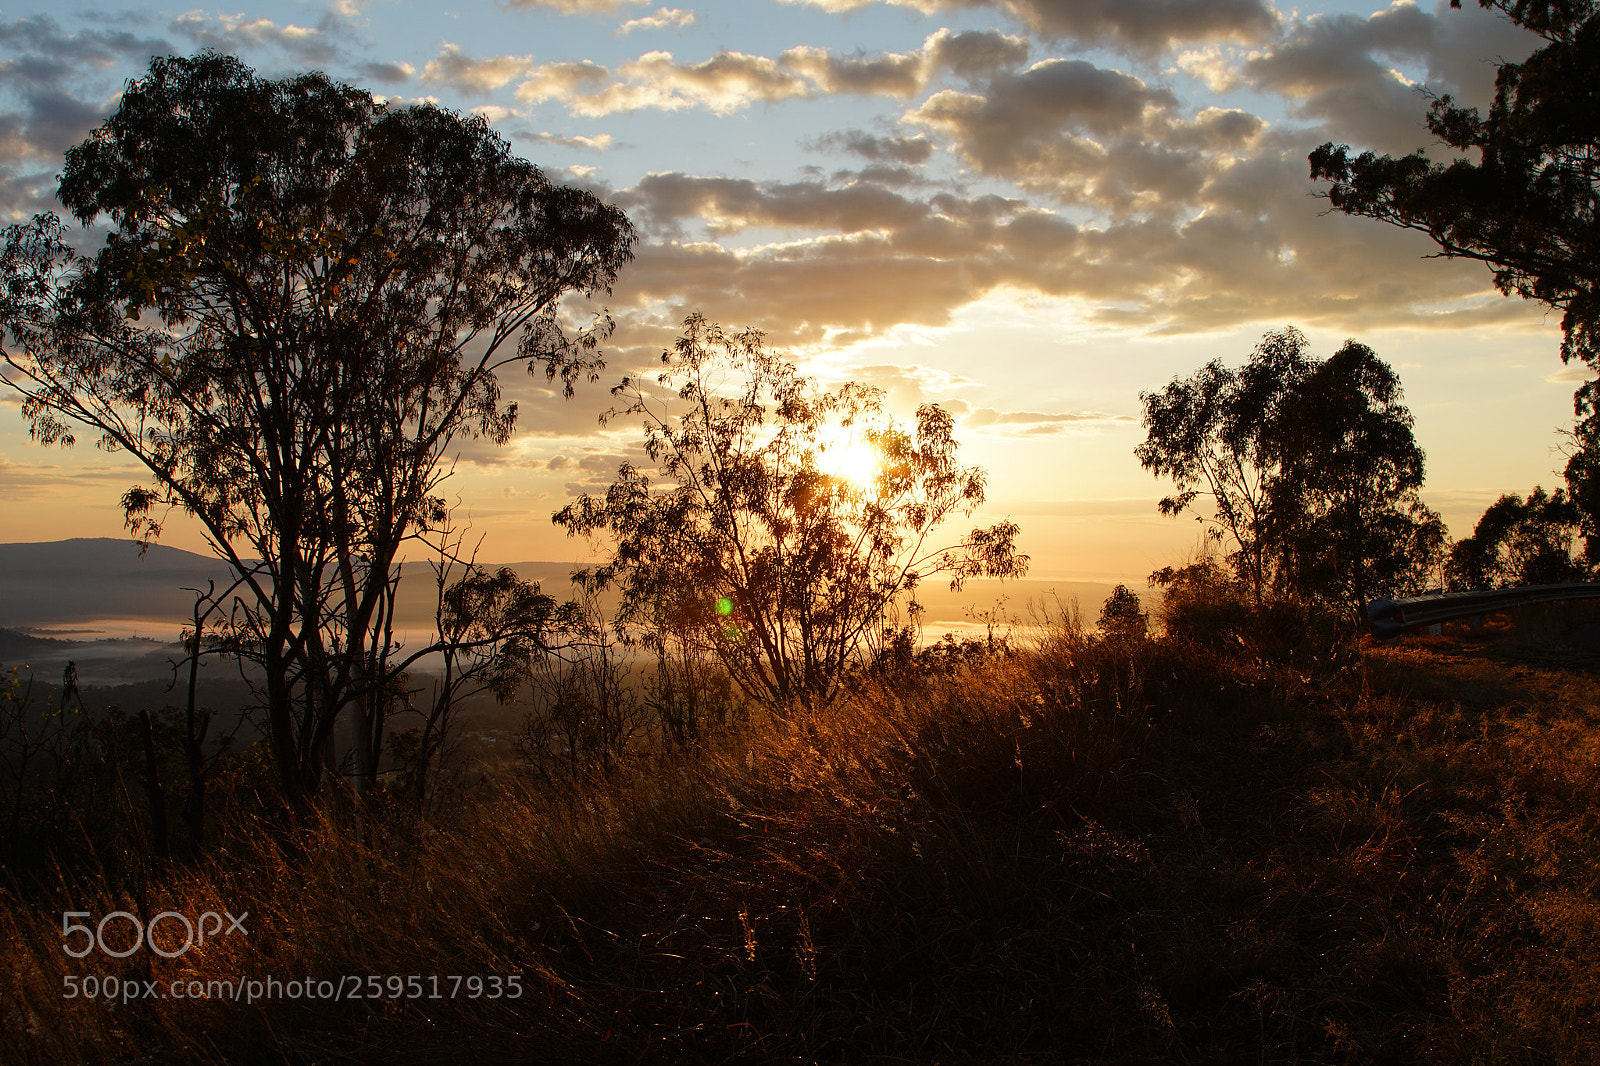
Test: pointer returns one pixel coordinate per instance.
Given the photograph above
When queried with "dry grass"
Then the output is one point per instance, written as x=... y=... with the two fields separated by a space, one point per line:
x=1269 y=847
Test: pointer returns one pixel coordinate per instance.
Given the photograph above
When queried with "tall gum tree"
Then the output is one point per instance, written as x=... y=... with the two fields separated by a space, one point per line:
x=1311 y=466
x=301 y=307
x=1522 y=195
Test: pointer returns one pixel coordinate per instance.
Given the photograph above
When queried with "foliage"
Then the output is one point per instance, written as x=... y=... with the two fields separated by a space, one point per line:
x=1160 y=850
x=1209 y=434
x=1311 y=466
x=301 y=307
x=755 y=554
x=1202 y=601
x=1344 y=502
x=1520 y=542
x=1122 y=616
x=1524 y=199
x=588 y=703
x=1526 y=205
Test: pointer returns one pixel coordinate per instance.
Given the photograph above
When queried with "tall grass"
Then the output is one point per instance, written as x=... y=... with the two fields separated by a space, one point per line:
x=1252 y=842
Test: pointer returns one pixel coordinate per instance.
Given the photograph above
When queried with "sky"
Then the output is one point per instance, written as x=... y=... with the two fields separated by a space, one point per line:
x=1027 y=211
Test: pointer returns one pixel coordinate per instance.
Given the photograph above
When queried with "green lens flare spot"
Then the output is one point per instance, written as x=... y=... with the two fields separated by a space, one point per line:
x=724 y=606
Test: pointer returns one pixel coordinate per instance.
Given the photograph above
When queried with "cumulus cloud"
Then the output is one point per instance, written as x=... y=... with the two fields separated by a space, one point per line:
x=234 y=34
x=387 y=73
x=1251 y=245
x=665 y=18
x=887 y=74
x=1346 y=71
x=726 y=82
x=1144 y=26
x=910 y=150
x=461 y=72
x=730 y=81
x=493 y=112
x=728 y=205
x=598 y=143
x=562 y=81
x=1086 y=135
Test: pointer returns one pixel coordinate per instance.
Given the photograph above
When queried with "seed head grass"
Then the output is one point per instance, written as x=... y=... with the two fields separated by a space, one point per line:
x=1262 y=842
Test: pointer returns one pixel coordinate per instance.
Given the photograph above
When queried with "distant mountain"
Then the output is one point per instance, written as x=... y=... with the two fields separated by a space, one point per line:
x=95 y=581
x=90 y=579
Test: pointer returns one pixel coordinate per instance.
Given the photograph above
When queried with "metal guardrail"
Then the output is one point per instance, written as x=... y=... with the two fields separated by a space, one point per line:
x=1390 y=618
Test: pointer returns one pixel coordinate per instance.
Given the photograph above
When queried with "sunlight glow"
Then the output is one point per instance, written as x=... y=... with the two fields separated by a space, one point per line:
x=845 y=454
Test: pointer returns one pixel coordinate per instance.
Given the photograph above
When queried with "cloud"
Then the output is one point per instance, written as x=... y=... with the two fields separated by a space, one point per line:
x=731 y=81
x=1087 y=135
x=576 y=7
x=470 y=76
x=899 y=74
x=387 y=73
x=1343 y=70
x=52 y=481
x=562 y=81
x=1147 y=25
x=728 y=205
x=665 y=18
x=1251 y=245
x=48 y=124
x=1144 y=26
x=493 y=112
x=234 y=34
x=888 y=149
x=990 y=422
x=598 y=143
x=48 y=56
x=1019 y=110
x=726 y=82
x=975 y=53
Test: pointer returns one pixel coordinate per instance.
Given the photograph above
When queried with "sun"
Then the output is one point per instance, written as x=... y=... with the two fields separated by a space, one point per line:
x=849 y=455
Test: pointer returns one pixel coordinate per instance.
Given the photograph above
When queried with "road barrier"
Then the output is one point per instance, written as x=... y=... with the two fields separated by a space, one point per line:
x=1390 y=618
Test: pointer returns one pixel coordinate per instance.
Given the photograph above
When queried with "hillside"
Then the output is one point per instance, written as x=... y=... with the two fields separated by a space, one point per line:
x=1268 y=844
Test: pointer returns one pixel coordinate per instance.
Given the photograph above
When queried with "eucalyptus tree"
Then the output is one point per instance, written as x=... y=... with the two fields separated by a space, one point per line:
x=1208 y=434
x=301 y=307
x=758 y=550
x=1521 y=542
x=1311 y=467
x=1518 y=190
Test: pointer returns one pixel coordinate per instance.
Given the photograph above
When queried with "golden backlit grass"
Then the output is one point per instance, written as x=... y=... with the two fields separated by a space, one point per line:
x=1267 y=845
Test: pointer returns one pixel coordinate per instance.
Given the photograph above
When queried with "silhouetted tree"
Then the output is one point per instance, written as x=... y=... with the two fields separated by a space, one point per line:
x=1520 y=542
x=1345 y=512
x=1311 y=466
x=756 y=555
x=1524 y=199
x=1122 y=616
x=301 y=307
x=1211 y=434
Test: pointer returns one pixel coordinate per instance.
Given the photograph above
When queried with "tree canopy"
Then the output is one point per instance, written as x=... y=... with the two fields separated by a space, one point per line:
x=302 y=303
x=1520 y=542
x=1311 y=466
x=1523 y=197
x=753 y=552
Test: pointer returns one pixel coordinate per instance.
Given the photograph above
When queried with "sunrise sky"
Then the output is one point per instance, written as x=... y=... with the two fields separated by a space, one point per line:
x=1025 y=210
